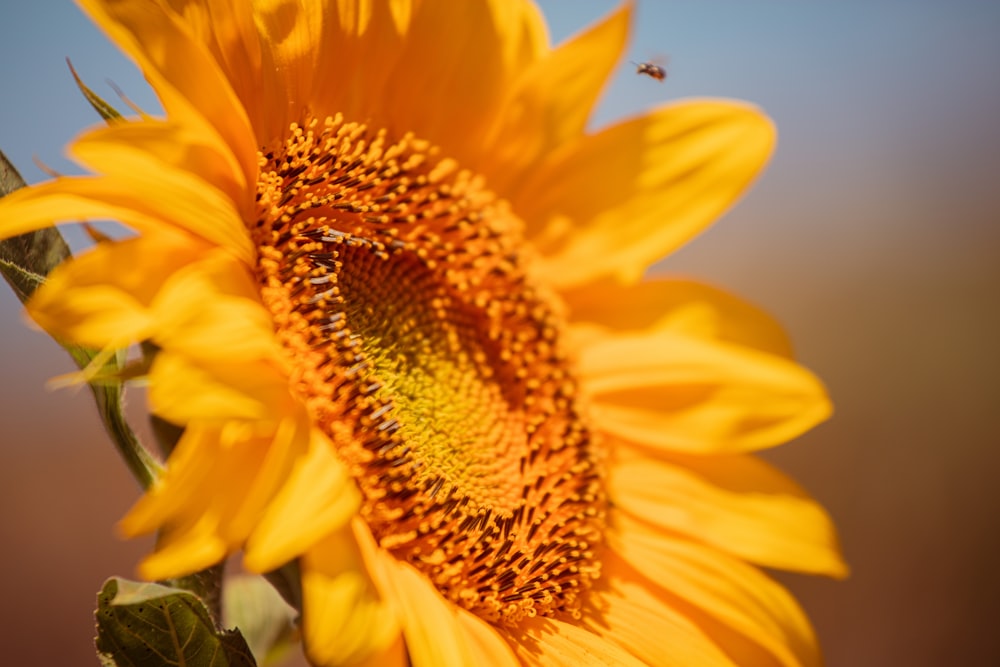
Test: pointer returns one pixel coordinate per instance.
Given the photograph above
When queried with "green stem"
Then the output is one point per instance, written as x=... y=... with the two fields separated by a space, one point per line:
x=143 y=466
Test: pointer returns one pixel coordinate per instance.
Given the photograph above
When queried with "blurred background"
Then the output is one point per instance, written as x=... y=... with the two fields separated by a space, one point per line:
x=874 y=236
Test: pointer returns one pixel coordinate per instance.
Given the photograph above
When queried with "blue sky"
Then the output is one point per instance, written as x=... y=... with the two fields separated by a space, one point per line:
x=908 y=89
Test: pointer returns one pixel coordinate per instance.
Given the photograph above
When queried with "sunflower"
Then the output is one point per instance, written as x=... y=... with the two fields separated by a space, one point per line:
x=392 y=289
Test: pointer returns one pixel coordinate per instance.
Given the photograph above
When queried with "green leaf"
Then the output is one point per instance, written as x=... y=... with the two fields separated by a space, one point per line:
x=252 y=605
x=149 y=625
x=25 y=260
x=10 y=179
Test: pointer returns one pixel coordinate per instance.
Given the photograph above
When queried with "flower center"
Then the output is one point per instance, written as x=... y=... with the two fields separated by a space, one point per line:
x=420 y=345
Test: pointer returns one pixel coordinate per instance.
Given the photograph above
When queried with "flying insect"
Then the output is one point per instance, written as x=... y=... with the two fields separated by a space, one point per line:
x=651 y=70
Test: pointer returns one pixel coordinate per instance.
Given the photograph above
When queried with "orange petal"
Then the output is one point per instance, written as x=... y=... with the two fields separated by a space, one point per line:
x=232 y=34
x=551 y=102
x=686 y=307
x=229 y=31
x=680 y=393
x=617 y=201
x=736 y=594
x=361 y=44
x=738 y=504
x=290 y=33
x=265 y=51
x=524 y=34
x=487 y=44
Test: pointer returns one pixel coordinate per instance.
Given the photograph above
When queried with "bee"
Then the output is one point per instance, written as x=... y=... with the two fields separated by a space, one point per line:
x=651 y=70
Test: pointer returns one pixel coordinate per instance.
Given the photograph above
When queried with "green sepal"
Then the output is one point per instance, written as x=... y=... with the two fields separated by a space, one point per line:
x=105 y=110
x=149 y=625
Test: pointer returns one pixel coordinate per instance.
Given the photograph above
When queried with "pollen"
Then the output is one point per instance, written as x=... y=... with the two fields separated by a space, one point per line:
x=400 y=289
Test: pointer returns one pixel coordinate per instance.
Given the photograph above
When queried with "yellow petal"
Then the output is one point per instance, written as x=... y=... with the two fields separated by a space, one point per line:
x=633 y=617
x=102 y=298
x=439 y=634
x=183 y=72
x=736 y=594
x=169 y=143
x=317 y=498
x=74 y=199
x=197 y=517
x=552 y=643
x=214 y=304
x=185 y=551
x=551 y=102
x=183 y=296
x=282 y=451
x=738 y=504
x=182 y=390
x=344 y=619
x=200 y=520
x=140 y=190
x=188 y=471
x=686 y=307
x=137 y=178
x=239 y=326
x=679 y=393
x=524 y=34
x=617 y=201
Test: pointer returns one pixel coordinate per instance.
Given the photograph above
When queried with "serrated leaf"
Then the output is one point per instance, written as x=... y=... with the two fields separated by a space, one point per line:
x=149 y=625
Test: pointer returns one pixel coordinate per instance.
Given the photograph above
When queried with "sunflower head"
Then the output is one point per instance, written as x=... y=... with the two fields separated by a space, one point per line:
x=392 y=286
